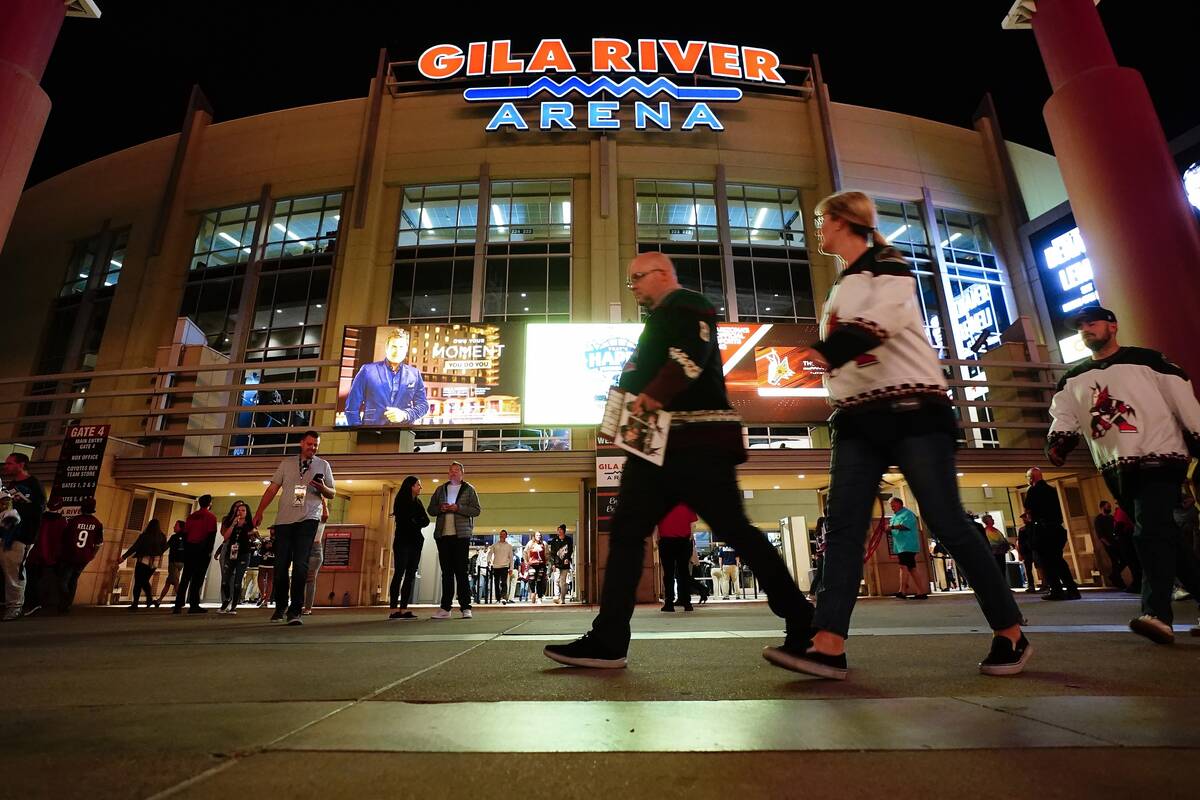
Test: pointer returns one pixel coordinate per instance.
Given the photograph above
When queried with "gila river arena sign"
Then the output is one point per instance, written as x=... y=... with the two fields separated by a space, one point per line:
x=618 y=71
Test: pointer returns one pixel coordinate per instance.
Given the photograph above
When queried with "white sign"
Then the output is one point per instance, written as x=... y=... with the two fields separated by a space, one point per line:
x=569 y=368
x=608 y=471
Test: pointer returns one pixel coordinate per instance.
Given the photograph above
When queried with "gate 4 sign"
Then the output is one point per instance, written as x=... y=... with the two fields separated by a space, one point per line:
x=79 y=464
x=641 y=72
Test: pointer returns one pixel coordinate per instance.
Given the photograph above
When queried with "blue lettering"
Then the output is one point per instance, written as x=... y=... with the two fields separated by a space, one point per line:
x=600 y=116
x=557 y=114
x=701 y=114
x=507 y=114
x=643 y=113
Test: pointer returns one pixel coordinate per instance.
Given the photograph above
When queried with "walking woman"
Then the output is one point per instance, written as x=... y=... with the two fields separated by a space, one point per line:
x=148 y=549
x=411 y=520
x=890 y=407
x=175 y=554
x=236 y=529
x=535 y=557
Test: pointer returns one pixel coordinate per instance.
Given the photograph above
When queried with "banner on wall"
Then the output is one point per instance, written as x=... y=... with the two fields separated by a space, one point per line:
x=79 y=461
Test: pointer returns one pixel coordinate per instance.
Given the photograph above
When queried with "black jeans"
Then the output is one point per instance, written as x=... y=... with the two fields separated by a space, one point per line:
x=68 y=582
x=142 y=573
x=500 y=578
x=1165 y=555
x=1050 y=541
x=293 y=545
x=196 y=558
x=453 y=554
x=1117 y=560
x=709 y=487
x=406 y=557
x=674 y=553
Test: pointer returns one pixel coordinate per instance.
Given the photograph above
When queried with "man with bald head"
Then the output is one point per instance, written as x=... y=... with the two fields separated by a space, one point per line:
x=677 y=367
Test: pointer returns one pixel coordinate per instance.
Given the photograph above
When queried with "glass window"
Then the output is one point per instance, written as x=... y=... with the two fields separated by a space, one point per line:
x=289 y=313
x=304 y=226
x=527 y=271
x=80 y=267
x=271 y=389
x=771 y=268
x=226 y=237
x=679 y=219
x=534 y=439
x=114 y=260
x=434 y=265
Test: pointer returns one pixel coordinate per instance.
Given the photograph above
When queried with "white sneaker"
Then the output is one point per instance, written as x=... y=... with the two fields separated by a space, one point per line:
x=441 y=613
x=1153 y=629
x=558 y=601
x=466 y=613
x=232 y=612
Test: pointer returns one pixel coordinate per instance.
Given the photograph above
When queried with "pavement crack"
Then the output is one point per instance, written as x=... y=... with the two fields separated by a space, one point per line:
x=1026 y=717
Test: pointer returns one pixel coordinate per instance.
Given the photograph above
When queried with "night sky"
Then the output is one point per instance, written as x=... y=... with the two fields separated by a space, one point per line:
x=125 y=78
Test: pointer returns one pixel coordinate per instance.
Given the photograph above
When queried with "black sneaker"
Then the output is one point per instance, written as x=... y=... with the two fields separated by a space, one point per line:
x=277 y=616
x=669 y=609
x=920 y=597
x=1055 y=596
x=1004 y=659
x=294 y=620
x=174 y=609
x=900 y=596
x=197 y=610
x=585 y=652
x=1074 y=594
x=29 y=612
x=402 y=615
x=794 y=654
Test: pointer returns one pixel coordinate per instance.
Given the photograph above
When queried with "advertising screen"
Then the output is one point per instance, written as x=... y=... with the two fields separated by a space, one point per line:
x=570 y=367
x=430 y=374
x=1067 y=281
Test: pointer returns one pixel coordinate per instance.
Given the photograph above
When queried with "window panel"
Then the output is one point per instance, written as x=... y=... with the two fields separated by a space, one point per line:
x=772 y=276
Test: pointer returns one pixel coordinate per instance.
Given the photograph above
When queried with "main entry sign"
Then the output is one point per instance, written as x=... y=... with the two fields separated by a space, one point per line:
x=619 y=70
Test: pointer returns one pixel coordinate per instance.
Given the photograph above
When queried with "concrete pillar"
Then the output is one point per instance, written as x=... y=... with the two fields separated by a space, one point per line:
x=1124 y=188
x=28 y=29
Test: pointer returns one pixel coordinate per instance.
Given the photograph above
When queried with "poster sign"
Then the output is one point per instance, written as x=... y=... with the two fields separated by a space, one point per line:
x=79 y=463
x=336 y=549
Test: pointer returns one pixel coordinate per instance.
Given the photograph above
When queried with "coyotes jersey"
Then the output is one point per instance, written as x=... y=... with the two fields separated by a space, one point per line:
x=1129 y=408
x=873 y=336
x=81 y=538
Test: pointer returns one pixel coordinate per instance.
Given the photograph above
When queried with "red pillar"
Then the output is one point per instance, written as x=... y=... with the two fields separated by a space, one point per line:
x=1124 y=188
x=28 y=29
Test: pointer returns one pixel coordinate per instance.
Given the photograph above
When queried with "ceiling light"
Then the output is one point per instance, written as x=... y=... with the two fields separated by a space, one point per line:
x=526 y=479
x=984 y=485
x=533 y=490
x=951 y=239
x=229 y=238
x=801 y=477
x=896 y=233
x=961 y=474
x=774 y=487
x=350 y=480
x=183 y=484
x=231 y=494
x=266 y=483
x=566 y=210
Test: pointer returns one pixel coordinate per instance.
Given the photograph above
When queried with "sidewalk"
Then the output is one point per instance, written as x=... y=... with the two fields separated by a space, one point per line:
x=112 y=704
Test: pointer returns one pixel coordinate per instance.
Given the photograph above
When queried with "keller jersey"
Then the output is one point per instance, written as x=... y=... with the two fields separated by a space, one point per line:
x=81 y=538
x=1133 y=407
x=873 y=336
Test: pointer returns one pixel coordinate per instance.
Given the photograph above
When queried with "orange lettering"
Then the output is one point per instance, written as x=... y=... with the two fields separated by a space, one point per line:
x=761 y=65
x=683 y=60
x=611 y=55
x=502 y=62
x=477 y=58
x=551 y=54
x=647 y=55
x=723 y=61
x=440 y=61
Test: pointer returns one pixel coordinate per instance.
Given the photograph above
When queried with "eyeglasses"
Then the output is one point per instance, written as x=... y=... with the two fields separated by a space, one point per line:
x=637 y=276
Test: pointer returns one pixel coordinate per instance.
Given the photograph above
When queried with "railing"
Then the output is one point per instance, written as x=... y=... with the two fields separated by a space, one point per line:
x=161 y=420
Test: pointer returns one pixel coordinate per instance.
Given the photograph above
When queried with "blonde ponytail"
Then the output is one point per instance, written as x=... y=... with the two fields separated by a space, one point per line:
x=857 y=210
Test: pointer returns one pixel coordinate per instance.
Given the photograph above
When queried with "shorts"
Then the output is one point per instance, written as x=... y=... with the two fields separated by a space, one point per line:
x=173 y=571
x=907 y=560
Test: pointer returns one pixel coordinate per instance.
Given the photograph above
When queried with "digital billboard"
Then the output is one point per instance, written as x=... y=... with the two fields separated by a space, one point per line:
x=1068 y=282
x=396 y=376
x=570 y=367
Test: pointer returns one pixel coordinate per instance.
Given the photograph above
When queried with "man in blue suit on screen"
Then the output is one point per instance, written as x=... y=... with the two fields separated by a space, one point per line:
x=388 y=392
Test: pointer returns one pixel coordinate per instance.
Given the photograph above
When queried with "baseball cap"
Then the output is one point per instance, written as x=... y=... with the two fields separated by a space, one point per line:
x=1093 y=314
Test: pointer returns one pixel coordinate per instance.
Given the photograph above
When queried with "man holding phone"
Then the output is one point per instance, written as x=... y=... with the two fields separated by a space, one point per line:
x=305 y=480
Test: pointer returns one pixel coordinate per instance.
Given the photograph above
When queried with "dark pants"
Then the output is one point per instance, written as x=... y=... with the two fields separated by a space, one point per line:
x=1152 y=494
x=1050 y=541
x=1117 y=559
x=293 y=545
x=231 y=588
x=709 y=487
x=538 y=580
x=675 y=552
x=142 y=573
x=33 y=586
x=1129 y=554
x=195 y=566
x=68 y=582
x=453 y=555
x=406 y=557
x=927 y=461
x=500 y=578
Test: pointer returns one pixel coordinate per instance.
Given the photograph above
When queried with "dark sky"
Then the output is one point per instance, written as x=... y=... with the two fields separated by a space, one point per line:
x=125 y=78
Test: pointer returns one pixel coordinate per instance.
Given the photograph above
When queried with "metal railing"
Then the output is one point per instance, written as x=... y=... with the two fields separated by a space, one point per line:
x=169 y=406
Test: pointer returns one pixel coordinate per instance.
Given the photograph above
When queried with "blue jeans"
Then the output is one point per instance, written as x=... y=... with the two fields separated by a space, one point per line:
x=293 y=544
x=927 y=461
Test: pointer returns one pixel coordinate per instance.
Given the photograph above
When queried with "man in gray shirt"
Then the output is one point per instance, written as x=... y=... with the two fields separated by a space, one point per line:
x=454 y=505
x=304 y=479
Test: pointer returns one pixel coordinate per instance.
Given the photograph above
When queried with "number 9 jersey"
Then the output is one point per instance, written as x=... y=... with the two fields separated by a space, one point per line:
x=81 y=538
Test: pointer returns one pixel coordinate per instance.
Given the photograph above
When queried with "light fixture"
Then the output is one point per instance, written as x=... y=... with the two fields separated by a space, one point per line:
x=526 y=479
x=115 y=263
x=184 y=483
x=497 y=215
x=83 y=274
x=231 y=494
x=318 y=305
x=951 y=239
x=350 y=480
x=566 y=211
x=229 y=238
x=984 y=485
x=801 y=477
x=286 y=232
x=435 y=480
x=775 y=487
x=266 y=483
x=961 y=474
x=426 y=222
x=533 y=490
x=896 y=232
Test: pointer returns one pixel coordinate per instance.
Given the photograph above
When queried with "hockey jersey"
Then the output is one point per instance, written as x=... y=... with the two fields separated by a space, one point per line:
x=873 y=334
x=1133 y=407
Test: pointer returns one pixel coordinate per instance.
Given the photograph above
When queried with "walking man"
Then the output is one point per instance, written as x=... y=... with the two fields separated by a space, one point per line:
x=81 y=539
x=1049 y=537
x=199 y=535
x=907 y=542
x=500 y=559
x=305 y=479
x=677 y=367
x=562 y=554
x=1143 y=425
x=455 y=504
x=1106 y=532
x=675 y=556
